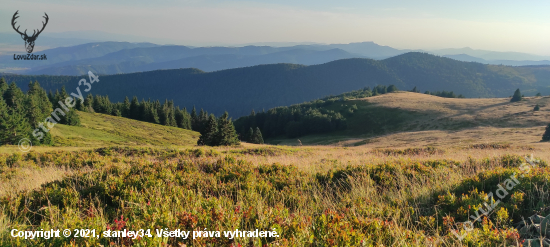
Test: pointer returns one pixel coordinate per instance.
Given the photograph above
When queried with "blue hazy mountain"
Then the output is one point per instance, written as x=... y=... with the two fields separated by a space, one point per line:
x=240 y=90
x=125 y=57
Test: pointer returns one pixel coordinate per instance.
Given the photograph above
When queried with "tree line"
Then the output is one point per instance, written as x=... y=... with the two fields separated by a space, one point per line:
x=214 y=131
x=21 y=113
x=314 y=117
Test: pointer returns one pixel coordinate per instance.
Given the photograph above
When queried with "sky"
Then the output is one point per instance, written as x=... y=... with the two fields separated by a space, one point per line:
x=521 y=26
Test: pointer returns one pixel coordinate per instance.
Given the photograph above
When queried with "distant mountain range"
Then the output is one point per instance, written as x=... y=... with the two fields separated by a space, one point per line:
x=468 y=58
x=240 y=90
x=124 y=57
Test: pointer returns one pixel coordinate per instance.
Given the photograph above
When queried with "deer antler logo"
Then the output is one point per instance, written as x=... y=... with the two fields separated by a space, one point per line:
x=29 y=41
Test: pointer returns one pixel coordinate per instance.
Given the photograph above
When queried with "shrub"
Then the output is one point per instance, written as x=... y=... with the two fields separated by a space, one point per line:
x=546 y=135
x=517 y=96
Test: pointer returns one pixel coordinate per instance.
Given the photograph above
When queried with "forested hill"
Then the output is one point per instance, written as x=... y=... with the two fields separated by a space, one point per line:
x=240 y=90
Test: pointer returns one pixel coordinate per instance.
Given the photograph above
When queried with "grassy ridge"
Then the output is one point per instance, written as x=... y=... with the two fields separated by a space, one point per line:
x=406 y=112
x=104 y=130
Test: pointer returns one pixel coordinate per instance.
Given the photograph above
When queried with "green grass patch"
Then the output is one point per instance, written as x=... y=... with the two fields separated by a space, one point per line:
x=104 y=130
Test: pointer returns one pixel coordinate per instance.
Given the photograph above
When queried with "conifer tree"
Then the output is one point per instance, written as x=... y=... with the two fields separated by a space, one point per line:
x=15 y=127
x=202 y=120
x=126 y=108
x=70 y=117
x=164 y=114
x=134 y=108
x=107 y=105
x=517 y=96
x=546 y=135
x=152 y=113
x=172 y=114
x=156 y=107
x=537 y=108
x=182 y=118
x=392 y=88
x=249 y=136
x=194 y=119
x=208 y=135
x=89 y=103
x=39 y=106
x=226 y=136
x=3 y=86
x=4 y=116
x=116 y=112
x=80 y=105
x=145 y=111
x=257 y=137
x=14 y=97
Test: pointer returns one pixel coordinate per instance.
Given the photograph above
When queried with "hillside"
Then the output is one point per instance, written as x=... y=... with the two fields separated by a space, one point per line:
x=265 y=86
x=103 y=130
x=405 y=119
x=99 y=130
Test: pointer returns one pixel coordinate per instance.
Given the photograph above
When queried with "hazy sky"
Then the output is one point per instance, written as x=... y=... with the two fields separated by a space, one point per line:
x=522 y=26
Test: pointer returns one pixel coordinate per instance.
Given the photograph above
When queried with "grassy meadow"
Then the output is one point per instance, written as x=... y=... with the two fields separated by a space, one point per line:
x=410 y=185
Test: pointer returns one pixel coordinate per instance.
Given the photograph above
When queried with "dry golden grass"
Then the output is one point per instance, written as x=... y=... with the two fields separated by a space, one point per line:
x=319 y=158
x=449 y=122
x=311 y=159
x=30 y=178
x=495 y=120
x=497 y=112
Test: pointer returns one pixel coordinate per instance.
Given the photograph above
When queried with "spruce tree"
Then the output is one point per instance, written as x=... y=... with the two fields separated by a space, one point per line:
x=89 y=103
x=537 y=108
x=186 y=119
x=249 y=136
x=14 y=127
x=182 y=118
x=194 y=119
x=51 y=97
x=126 y=108
x=4 y=116
x=164 y=114
x=38 y=104
x=80 y=105
x=3 y=86
x=202 y=120
x=134 y=108
x=257 y=136
x=517 y=96
x=71 y=117
x=14 y=97
x=172 y=115
x=226 y=136
x=546 y=135
x=153 y=113
x=208 y=134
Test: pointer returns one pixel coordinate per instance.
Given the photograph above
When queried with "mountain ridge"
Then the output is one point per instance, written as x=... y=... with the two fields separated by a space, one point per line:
x=124 y=57
x=240 y=90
